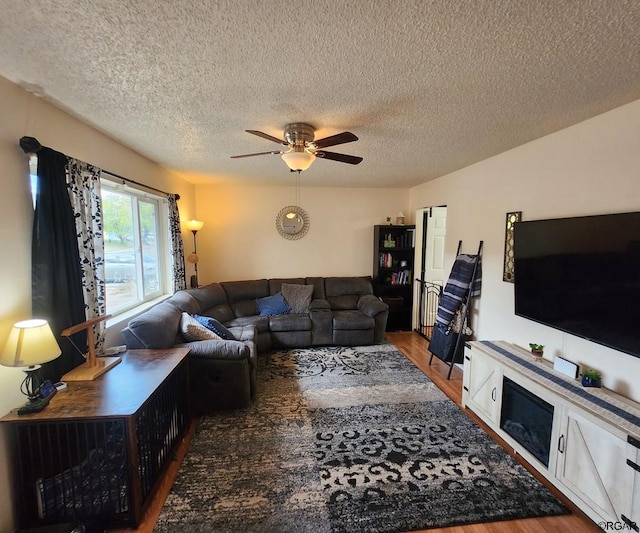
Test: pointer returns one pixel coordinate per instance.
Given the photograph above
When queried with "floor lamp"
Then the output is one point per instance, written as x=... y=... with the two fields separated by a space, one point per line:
x=194 y=226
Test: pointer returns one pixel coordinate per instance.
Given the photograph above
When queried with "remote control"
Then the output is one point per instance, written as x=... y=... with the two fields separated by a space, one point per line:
x=33 y=406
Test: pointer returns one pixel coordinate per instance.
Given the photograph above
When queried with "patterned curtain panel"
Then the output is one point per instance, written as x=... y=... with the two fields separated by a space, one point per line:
x=177 y=246
x=83 y=182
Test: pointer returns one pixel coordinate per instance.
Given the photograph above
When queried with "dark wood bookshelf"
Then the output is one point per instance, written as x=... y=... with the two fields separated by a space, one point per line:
x=393 y=272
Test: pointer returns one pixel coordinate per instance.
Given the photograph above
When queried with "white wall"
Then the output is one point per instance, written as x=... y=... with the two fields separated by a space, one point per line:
x=590 y=168
x=24 y=114
x=240 y=240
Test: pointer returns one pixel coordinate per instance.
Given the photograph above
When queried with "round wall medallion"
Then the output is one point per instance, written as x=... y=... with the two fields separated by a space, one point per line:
x=292 y=222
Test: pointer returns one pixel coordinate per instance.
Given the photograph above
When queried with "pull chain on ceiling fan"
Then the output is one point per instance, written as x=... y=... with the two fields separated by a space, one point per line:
x=302 y=149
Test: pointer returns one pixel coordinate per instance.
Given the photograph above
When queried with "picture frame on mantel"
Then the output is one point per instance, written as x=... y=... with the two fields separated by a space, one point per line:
x=508 y=272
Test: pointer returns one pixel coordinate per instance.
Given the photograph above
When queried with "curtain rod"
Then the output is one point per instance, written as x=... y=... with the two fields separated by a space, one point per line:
x=31 y=145
x=127 y=180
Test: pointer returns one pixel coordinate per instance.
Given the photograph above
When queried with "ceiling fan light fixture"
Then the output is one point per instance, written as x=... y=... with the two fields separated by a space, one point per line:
x=298 y=161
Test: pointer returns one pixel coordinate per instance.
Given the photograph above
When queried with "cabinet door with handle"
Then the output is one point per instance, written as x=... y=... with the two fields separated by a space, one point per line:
x=482 y=386
x=633 y=520
x=592 y=463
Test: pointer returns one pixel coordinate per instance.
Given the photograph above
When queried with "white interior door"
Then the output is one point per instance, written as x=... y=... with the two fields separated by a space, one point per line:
x=435 y=240
x=431 y=229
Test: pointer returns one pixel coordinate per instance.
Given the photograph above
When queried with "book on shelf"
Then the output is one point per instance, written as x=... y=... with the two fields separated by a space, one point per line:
x=386 y=260
x=401 y=277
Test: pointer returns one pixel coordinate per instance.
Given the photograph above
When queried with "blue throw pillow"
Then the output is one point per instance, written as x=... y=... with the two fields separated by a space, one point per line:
x=272 y=305
x=216 y=326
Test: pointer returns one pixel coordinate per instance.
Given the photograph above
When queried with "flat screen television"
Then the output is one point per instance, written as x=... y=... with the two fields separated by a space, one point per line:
x=582 y=275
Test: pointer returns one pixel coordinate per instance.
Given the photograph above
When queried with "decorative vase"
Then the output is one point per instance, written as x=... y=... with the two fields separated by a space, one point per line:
x=588 y=381
x=537 y=353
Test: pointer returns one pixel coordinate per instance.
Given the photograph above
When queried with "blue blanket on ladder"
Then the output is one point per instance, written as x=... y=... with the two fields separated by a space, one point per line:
x=456 y=288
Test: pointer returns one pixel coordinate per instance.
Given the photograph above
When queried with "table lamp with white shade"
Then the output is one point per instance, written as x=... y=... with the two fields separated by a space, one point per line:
x=30 y=344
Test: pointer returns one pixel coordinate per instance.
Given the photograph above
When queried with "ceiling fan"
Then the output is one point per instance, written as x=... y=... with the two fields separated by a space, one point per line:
x=302 y=149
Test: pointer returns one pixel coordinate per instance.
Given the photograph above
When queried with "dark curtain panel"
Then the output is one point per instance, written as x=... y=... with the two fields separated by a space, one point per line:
x=56 y=272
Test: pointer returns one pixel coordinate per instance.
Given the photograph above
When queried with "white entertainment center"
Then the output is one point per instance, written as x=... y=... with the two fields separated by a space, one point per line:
x=585 y=441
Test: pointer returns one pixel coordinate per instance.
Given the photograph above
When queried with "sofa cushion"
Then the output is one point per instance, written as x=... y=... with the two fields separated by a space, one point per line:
x=245 y=333
x=242 y=295
x=344 y=292
x=343 y=302
x=289 y=323
x=261 y=323
x=192 y=330
x=272 y=305
x=244 y=308
x=371 y=305
x=352 y=320
x=218 y=350
x=216 y=326
x=318 y=304
x=212 y=301
x=318 y=287
x=157 y=328
x=339 y=286
x=297 y=296
x=237 y=291
x=185 y=302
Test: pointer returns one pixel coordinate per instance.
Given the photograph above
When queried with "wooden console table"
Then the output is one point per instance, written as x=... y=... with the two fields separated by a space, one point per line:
x=95 y=453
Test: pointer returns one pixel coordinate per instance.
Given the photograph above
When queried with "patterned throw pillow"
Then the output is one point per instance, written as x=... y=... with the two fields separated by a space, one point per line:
x=216 y=326
x=194 y=331
x=272 y=305
x=297 y=296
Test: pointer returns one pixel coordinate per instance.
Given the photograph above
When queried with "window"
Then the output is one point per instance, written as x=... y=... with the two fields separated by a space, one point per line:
x=33 y=177
x=134 y=264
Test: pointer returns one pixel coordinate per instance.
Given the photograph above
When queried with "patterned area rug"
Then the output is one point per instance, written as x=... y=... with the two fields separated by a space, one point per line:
x=346 y=440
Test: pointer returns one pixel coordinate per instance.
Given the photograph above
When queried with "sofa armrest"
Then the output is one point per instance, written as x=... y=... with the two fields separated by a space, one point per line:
x=214 y=349
x=371 y=305
x=319 y=303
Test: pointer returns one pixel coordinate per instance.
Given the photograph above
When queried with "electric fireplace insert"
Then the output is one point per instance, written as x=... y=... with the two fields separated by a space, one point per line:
x=527 y=418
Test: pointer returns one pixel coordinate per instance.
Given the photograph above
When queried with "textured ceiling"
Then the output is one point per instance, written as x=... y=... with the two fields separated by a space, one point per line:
x=429 y=86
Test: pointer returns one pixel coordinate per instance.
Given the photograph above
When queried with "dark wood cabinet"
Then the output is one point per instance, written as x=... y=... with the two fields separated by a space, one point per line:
x=96 y=452
x=393 y=274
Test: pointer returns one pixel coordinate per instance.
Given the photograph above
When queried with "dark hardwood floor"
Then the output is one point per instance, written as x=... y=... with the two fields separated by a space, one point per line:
x=414 y=347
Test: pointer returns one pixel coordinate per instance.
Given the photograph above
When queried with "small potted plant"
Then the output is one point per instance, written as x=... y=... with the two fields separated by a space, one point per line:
x=536 y=349
x=591 y=378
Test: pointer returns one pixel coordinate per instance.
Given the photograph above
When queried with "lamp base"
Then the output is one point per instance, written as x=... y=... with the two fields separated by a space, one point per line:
x=86 y=372
x=32 y=381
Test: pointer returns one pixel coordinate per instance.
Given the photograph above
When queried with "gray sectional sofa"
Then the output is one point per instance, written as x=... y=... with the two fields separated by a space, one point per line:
x=341 y=311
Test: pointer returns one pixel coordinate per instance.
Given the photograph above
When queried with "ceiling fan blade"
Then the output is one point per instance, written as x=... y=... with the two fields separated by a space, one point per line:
x=343 y=158
x=257 y=153
x=339 y=138
x=266 y=136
